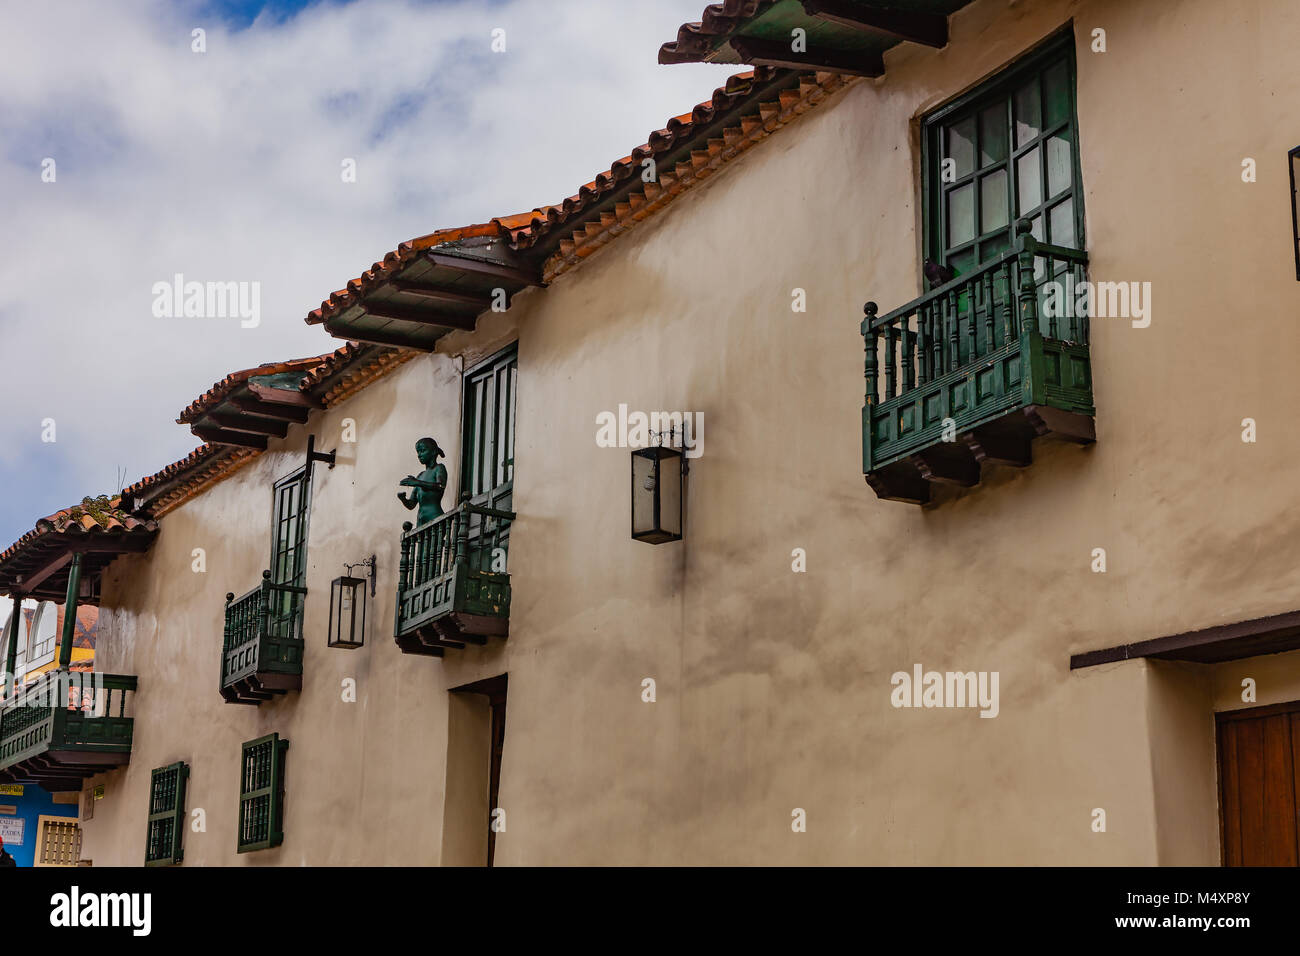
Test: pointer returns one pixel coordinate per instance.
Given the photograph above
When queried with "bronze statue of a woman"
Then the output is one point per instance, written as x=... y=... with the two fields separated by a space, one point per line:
x=429 y=485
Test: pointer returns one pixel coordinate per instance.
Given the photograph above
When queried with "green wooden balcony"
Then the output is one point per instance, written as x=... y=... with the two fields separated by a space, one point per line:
x=453 y=587
x=971 y=372
x=65 y=727
x=261 y=654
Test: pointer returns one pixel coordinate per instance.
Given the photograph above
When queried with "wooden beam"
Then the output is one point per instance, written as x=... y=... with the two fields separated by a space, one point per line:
x=389 y=339
x=255 y=406
x=1222 y=642
x=32 y=581
x=479 y=302
x=778 y=53
x=219 y=436
x=281 y=396
x=464 y=323
x=930 y=29
x=478 y=267
x=245 y=423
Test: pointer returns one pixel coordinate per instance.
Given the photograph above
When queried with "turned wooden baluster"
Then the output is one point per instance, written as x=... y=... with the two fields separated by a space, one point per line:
x=869 y=340
x=1008 y=314
x=972 y=318
x=891 y=363
x=936 y=338
x=1028 y=291
x=909 y=370
x=954 y=339
x=404 y=566
x=923 y=345
x=986 y=294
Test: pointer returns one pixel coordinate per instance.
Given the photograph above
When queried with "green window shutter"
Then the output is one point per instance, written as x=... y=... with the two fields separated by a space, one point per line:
x=1005 y=151
x=292 y=501
x=261 y=793
x=166 y=815
x=488 y=436
x=488 y=454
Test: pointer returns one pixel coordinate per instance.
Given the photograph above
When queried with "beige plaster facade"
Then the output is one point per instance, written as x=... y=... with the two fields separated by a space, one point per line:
x=773 y=687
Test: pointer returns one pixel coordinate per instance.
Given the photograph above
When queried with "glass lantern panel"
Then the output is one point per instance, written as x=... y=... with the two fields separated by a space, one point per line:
x=670 y=494
x=643 y=494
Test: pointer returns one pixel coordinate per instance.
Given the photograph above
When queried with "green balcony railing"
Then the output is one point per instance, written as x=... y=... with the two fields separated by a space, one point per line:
x=261 y=651
x=64 y=727
x=974 y=369
x=453 y=583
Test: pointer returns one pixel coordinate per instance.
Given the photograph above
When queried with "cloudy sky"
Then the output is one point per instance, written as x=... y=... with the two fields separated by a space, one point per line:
x=226 y=166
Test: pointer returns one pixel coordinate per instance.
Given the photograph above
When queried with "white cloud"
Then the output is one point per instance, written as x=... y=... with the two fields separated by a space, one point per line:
x=225 y=166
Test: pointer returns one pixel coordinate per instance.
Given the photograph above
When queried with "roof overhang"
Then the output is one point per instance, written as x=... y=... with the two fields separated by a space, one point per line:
x=38 y=564
x=422 y=293
x=839 y=36
x=248 y=407
x=1211 y=645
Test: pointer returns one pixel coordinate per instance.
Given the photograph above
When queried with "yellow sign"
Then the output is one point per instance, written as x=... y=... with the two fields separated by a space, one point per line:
x=11 y=789
x=99 y=792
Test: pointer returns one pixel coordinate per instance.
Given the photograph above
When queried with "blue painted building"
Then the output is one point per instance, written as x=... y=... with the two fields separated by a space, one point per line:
x=20 y=818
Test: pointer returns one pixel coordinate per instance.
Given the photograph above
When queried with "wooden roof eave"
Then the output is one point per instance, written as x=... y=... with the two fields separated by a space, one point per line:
x=842 y=36
x=42 y=572
x=443 y=290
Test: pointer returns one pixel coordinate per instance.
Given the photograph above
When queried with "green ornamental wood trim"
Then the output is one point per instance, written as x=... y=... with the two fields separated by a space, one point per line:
x=53 y=743
x=980 y=376
x=975 y=368
x=166 y=829
x=261 y=793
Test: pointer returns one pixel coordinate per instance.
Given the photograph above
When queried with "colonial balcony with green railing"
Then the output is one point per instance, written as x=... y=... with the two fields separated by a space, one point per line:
x=453 y=586
x=974 y=370
x=64 y=727
x=261 y=654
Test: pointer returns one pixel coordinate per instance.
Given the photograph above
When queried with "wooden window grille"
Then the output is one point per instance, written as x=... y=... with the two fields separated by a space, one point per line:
x=164 y=845
x=58 y=841
x=261 y=793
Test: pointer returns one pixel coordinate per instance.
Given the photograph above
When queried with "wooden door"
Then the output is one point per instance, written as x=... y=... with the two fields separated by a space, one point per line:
x=1259 y=778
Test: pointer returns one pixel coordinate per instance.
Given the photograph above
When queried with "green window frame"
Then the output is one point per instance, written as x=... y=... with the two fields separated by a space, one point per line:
x=261 y=793
x=488 y=428
x=487 y=470
x=1012 y=144
x=164 y=843
x=291 y=506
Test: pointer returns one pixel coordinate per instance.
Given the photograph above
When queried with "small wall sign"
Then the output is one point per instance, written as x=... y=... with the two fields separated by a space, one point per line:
x=11 y=831
x=11 y=789
x=99 y=792
x=7 y=809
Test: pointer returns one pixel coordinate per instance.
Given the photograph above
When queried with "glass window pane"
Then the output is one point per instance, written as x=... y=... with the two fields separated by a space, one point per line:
x=1027 y=110
x=1061 y=224
x=961 y=215
x=994 y=144
x=1060 y=165
x=1029 y=180
x=961 y=145
x=990 y=249
x=963 y=263
x=994 y=201
x=1056 y=99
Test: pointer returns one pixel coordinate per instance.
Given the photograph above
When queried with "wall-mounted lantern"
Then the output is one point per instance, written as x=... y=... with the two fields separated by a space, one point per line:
x=1294 y=164
x=348 y=606
x=658 y=493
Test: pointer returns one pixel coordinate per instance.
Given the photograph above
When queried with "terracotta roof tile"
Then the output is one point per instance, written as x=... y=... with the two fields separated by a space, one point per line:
x=164 y=490
x=219 y=391
x=718 y=19
x=98 y=516
x=525 y=231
